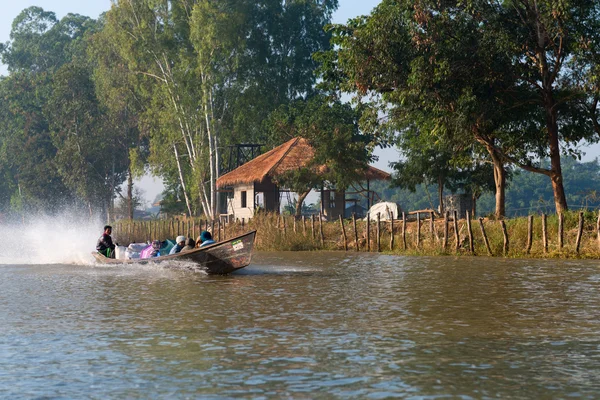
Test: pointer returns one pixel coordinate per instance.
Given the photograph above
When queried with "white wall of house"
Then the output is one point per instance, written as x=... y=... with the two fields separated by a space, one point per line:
x=239 y=207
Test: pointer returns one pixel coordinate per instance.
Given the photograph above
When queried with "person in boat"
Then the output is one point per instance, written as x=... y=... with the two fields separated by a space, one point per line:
x=206 y=239
x=179 y=245
x=105 y=244
x=156 y=245
x=189 y=245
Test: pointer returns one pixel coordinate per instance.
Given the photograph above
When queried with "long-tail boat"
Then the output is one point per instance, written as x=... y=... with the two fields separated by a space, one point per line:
x=218 y=258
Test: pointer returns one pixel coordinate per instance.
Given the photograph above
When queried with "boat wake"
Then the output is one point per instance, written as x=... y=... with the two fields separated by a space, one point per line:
x=65 y=239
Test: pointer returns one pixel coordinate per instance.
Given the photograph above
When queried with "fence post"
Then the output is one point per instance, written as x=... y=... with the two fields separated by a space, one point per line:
x=304 y=225
x=470 y=231
x=321 y=230
x=284 y=227
x=505 y=234
x=598 y=229
x=545 y=232
x=579 y=232
x=404 y=230
x=294 y=218
x=446 y=216
x=355 y=231
x=529 y=233
x=312 y=226
x=561 y=220
x=344 y=233
x=432 y=227
x=418 y=230
x=485 y=238
x=378 y=233
x=391 y=231
x=368 y=232
x=456 y=236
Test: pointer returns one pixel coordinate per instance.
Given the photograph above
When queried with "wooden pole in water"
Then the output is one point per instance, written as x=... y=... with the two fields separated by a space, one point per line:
x=378 y=232
x=404 y=230
x=368 y=227
x=456 y=236
x=391 y=231
x=579 y=232
x=357 y=248
x=545 y=232
x=418 y=230
x=505 y=234
x=321 y=230
x=446 y=230
x=470 y=231
x=344 y=234
x=485 y=238
x=529 y=234
x=561 y=220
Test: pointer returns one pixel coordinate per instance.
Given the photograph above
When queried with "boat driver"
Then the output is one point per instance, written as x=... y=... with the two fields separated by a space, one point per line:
x=180 y=245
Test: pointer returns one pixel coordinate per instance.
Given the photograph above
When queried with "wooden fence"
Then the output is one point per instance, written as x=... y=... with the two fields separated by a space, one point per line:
x=424 y=234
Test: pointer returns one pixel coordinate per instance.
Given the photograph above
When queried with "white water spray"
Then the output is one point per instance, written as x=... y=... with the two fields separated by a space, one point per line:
x=64 y=239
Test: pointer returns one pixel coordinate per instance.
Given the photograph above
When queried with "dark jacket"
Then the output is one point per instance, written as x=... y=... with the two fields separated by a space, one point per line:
x=105 y=242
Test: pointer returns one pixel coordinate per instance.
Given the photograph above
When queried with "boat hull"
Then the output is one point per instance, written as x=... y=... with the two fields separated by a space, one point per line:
x=219 y=258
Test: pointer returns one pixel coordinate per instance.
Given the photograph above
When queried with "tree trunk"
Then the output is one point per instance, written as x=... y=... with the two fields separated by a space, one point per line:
x=129 y=193
x=299 y=202
x=474 y=199
x=560 y=200
x=499 y=174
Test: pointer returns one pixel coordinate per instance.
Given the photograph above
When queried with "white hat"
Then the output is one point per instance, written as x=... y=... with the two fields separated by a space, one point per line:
x=180 y=239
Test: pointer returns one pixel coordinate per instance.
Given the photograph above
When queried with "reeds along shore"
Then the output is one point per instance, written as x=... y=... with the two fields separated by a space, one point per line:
x=568 y=235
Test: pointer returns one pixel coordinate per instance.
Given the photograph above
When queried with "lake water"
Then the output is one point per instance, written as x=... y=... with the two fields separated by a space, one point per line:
x=303 y=326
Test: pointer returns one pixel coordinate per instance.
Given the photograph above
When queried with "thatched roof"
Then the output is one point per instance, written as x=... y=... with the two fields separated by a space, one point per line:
x=293 y=154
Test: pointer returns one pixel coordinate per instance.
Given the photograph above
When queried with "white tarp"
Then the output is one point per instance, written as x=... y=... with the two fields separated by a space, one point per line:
x=385 y=210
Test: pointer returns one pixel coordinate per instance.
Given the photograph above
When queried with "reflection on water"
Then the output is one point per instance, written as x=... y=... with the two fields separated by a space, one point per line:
x=303 y=325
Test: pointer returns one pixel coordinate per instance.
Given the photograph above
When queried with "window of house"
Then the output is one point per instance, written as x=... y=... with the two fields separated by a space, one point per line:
x=244 y=199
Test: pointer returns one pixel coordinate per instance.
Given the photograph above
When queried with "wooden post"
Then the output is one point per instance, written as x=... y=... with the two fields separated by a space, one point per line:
x=187 y=234
x=404 y=230
x=284 y=227
x=598 y=229
x=304 y=225
x=378 y=232
x=529 y=234
x=368 y=227
x=545 y=232
x=391 y=231
x=212 y=227
x=218 y=227
x=344 y=234
x=432 y=227
x=418 y=230
x=470 y=231
x=561 y=220
x=321 y=230
x=456 y=236
x=294 y=218
x=505 y=234
x=312 y=226
x=579 y=232
x=357 y=248
x=243 y=223
x=278 y=224
x=485 y=238
x=446 y=216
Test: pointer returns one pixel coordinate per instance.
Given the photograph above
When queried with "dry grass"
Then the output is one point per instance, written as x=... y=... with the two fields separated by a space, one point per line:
x=277 y=233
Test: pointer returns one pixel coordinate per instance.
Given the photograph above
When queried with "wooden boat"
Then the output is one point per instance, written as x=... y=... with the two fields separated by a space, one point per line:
x=217 y=258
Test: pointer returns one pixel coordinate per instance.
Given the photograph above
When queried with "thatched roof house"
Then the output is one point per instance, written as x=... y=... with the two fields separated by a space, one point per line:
x=293 y=154
x=254 y=185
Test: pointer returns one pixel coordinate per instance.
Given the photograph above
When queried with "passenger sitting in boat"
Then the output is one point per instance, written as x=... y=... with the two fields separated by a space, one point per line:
x=105 y=244
x=206 y=239
x=180 y=245
x=190 y=244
